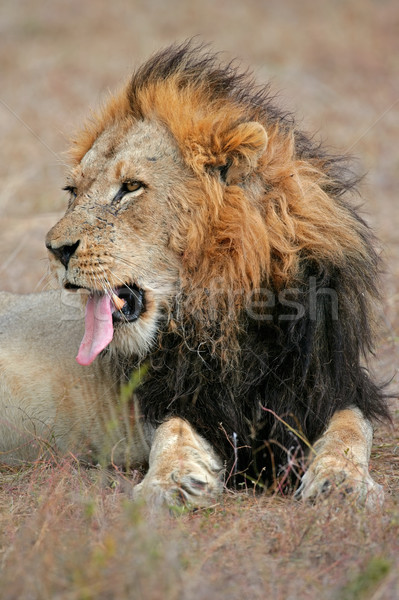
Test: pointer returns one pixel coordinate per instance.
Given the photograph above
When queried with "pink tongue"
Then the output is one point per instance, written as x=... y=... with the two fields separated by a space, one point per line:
x=98 y=328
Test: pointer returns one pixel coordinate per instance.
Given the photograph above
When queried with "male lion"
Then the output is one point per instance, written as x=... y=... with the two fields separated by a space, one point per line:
x=214 y=242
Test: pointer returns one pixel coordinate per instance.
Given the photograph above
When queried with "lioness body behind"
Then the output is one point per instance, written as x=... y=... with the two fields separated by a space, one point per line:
x=48 y=402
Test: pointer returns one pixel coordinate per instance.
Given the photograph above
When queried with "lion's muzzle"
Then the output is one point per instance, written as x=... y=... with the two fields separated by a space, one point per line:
x=62 y=253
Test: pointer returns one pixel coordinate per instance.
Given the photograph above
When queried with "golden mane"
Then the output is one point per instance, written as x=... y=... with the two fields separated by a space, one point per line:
x=282 y=202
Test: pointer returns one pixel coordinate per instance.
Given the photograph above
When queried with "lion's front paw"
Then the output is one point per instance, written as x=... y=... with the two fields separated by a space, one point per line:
x=324 y=478
x=190 y=487
x=184 y=468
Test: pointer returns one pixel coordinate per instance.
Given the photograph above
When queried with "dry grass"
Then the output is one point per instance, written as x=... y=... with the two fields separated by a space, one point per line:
x=69 y=533
x=66 y=534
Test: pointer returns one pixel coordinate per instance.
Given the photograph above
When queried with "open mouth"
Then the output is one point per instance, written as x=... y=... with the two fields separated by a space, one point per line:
x=120 y=305
x=129 y=303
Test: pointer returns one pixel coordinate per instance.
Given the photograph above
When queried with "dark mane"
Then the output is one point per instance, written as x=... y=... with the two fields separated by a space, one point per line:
x=298 y=356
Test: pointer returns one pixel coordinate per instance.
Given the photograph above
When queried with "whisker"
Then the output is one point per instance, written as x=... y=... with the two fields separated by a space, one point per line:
x=112 y=291
x=123 y=260
x=44 y=282
x=95 y=282
x=134 y=266
x=121 y=280
x=105 y=285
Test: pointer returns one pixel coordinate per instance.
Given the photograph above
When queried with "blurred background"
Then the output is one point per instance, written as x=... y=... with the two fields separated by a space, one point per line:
x=334 y=63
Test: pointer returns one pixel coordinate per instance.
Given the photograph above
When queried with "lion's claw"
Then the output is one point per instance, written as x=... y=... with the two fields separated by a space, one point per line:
x=318 y=484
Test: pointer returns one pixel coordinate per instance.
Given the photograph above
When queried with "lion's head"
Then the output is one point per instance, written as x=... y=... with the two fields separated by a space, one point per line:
x=188 y=182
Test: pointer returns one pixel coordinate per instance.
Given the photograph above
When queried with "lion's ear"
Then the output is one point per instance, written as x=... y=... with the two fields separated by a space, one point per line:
x=242 y=146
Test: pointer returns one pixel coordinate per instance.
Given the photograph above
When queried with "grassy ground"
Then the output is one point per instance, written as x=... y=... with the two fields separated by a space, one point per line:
x=67 y=533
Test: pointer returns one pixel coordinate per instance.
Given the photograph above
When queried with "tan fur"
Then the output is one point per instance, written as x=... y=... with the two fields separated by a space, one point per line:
x=183 y=468
x=340 y=461
x=183 y=233
x=49 y=403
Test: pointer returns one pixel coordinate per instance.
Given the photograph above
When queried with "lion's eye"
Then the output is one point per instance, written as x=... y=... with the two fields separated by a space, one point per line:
x=71 y=189
x=132 y=186
x=129 y=187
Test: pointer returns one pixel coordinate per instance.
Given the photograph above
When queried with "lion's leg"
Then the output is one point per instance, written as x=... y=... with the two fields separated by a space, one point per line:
x=341 y=460
x=183 y=467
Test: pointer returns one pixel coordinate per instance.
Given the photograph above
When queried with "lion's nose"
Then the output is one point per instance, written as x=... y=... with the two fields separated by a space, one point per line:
x=63 y=253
